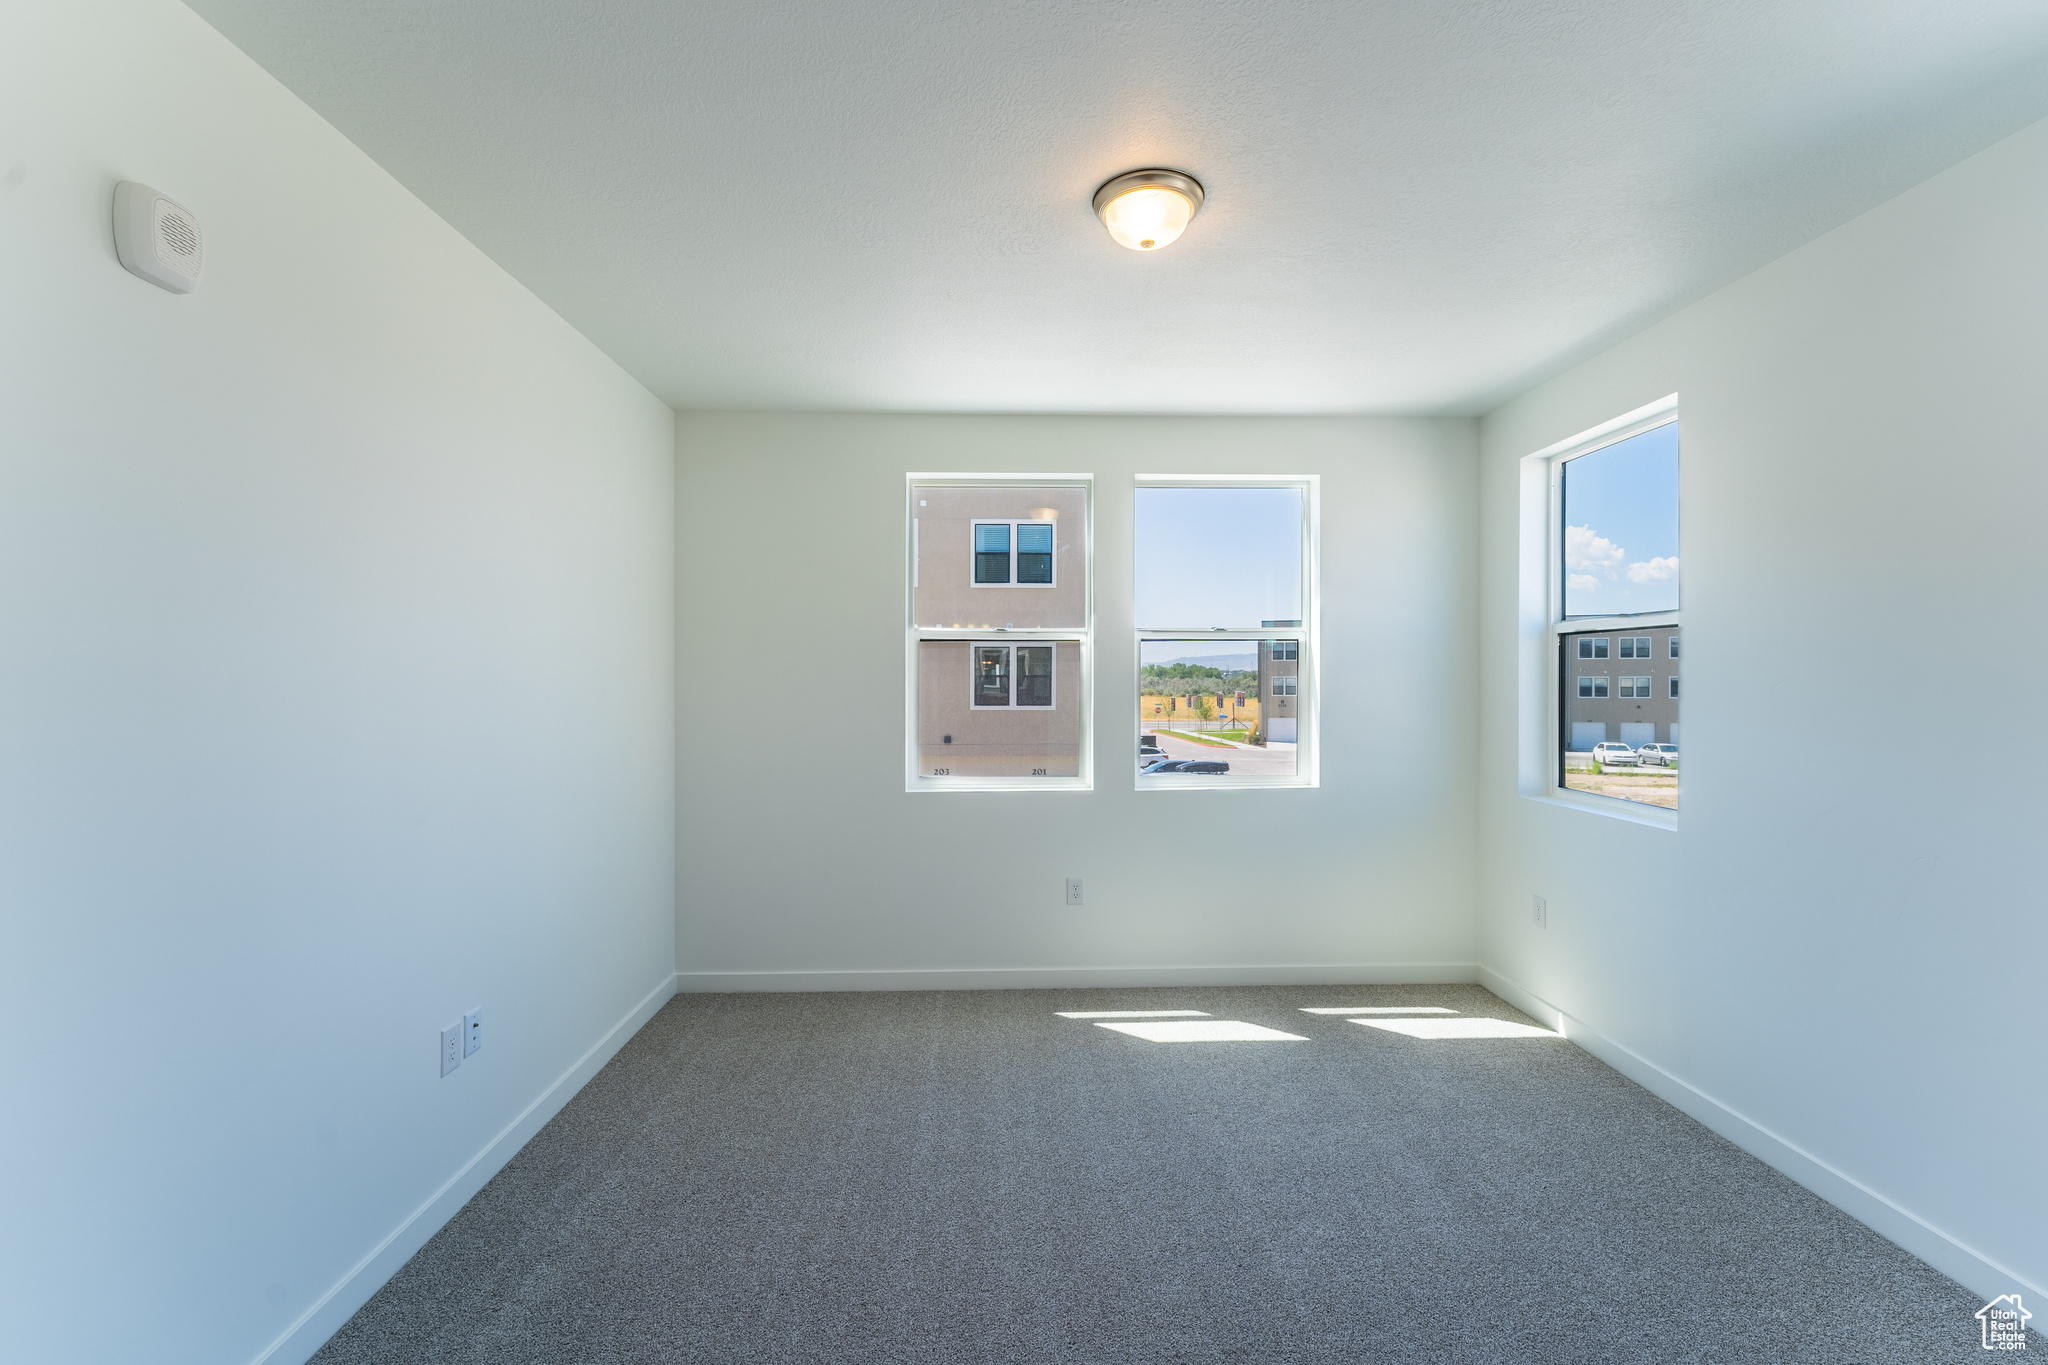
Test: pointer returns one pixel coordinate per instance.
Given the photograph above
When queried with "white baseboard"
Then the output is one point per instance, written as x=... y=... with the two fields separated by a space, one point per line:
x=1042 y=978
x=1953 y=1258
x=299 y=1341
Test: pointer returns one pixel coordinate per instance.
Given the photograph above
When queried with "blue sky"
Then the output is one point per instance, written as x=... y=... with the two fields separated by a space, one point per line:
x=1621 y=527
x=1218 y=557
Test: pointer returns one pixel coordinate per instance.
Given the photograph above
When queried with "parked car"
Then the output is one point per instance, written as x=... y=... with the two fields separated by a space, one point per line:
x=1663 y=755
x=1164 y=765
x=1204 y=765
x=1614 y=755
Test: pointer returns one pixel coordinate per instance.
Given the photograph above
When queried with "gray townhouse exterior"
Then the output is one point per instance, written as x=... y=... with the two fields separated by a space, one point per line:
x=1619 y=686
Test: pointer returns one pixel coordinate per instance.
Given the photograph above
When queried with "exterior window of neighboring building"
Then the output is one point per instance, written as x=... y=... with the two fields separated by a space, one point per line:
x=999 y=634
x=1034 y=553
x=1018 y=552
x=1224 y=592
x=1034 y=675
x=992 y=552
x=1613 y=568
x=1012 y=675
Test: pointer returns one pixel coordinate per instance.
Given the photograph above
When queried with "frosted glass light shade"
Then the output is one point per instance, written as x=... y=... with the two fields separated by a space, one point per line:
x=1146 y=210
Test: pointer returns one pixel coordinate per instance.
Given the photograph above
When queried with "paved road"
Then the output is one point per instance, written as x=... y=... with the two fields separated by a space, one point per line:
x=1277 y=760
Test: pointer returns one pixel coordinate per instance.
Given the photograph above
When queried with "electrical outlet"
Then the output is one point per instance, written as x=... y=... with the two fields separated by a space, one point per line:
x=1073 y=891
x=472 y=1030
x=1541 y=911
x=451 y=1048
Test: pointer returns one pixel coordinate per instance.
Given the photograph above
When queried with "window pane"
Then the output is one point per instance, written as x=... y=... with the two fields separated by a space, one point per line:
x=1674 y=646
x=1218 y=557
x=1034 y=675
x=1602 y=734
x=956 y=740
x=1034 y=554
x=1234 y=702
x=992 y=675
x=991 y=554
x=1621 y=527
x=967 y=577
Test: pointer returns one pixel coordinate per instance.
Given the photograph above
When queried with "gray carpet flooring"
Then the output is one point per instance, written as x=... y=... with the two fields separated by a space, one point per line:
x=957 y=1177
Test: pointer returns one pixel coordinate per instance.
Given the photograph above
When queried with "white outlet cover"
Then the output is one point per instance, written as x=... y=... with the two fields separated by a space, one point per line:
x=451 y=1048
x=1074 y=891
x=472 y=1030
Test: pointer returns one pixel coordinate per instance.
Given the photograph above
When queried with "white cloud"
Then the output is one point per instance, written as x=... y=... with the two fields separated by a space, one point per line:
x=1659 y=570
x=1587 y=552
x=1582 y=582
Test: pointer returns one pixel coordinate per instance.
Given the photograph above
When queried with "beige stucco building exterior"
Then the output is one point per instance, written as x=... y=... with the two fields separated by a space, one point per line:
x=960 y=736
x=944 y=594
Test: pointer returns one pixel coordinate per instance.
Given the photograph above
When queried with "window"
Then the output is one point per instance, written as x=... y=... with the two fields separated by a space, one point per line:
x=1613 y=565
x=1018 y=552
x=1012 y=675
x=1224 y=604
x=998 y=634
x=992 y=552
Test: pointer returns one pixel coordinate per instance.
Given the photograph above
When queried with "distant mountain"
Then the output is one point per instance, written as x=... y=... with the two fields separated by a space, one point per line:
x=1229 y=663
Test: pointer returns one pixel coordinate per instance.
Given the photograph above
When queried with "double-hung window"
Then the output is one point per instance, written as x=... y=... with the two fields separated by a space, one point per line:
x=1224 y=579
x=1014 y=552
x=1612 y=578
x=999 y=632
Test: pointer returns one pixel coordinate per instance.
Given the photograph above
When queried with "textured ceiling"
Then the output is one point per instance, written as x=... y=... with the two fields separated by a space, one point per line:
x=1412 y=206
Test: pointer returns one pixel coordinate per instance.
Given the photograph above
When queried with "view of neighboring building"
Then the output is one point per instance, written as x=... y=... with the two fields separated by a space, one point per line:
x=1620 y=688
x=998 y=710
x=1279 y=687
x=988 y=558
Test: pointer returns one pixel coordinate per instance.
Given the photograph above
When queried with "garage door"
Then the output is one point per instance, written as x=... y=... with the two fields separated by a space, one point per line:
x=1587 y=733
x=1636 y=733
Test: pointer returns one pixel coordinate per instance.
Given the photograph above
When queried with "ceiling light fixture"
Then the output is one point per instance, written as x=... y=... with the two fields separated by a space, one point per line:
x=1146 y=210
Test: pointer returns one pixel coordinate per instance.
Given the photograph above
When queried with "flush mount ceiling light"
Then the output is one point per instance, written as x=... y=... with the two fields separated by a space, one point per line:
x=1146 y=210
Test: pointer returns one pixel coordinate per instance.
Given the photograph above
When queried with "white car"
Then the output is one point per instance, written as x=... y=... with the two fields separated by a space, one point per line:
x=1663 y=755
x=1611 y=754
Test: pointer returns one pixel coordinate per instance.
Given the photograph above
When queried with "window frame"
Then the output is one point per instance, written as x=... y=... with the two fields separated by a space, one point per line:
x=1544 y=695
x=1307 y=637
x=1012 y=672
x=1016 y=549
x=1083 y=636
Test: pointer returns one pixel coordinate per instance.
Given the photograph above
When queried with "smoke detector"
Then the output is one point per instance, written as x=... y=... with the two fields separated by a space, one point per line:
x=157 y=238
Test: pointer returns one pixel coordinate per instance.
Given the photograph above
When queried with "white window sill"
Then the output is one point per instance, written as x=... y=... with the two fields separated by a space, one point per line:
x=1635 y=812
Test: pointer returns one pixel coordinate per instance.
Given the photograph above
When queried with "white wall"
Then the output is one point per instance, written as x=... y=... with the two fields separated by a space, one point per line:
x=1838 y=961
x=336 y=689
x=804 y=863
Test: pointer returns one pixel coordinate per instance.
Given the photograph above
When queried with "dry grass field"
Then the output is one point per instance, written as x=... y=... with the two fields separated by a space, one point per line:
x=1657 y=787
